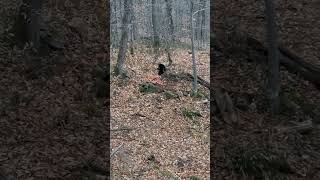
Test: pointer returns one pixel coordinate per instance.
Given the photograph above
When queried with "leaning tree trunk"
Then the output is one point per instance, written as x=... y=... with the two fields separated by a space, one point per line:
x=273 y=83
x=124 y=38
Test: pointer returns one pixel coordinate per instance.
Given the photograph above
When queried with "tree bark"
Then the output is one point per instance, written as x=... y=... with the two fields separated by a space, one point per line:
x=155 y=25
x=273 y=82
x=132 y=30
x=194 y=68
x=203 y=22
x=124 y=38
x=171 y=30
x=33 y=26
x=27 y=25
x=114 y=36
x=169 y=14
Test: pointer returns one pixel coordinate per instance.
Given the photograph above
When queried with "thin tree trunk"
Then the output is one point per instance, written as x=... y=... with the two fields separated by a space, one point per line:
x=131 y=41
x=115 y=37
x=124 y=38
x=176 y=20
x=194 y=68
x=134 y=25
x=273 y=83
x=198 y=29
x=203 y=23
x=171 y=29
x=132 y=28
x=34 y=25
x=27 y=25
x=156 y=39
x=169 y=14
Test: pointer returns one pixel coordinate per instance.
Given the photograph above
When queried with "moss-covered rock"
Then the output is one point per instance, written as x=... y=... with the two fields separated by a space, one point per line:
x=171 y=95
x=148 y=88
x=190 y=113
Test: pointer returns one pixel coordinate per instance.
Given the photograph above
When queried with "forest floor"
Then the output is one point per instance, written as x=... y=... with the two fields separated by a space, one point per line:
x=52 y=126
x=259 y=145
x=162 y=141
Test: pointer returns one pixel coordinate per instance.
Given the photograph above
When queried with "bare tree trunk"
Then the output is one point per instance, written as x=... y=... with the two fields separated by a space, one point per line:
x=134 y=25
x=115 y=36
x=27 y=25
x=194 y=68
x=171 y=30
x=156 y=39
x=132 y=31
x=273 y=83
x=169 y=14
x=33 y=27
x=124 y=38
x=179 y=22
x=176 y=20
x=131 y=41
x=203 y=23
x=198 y=29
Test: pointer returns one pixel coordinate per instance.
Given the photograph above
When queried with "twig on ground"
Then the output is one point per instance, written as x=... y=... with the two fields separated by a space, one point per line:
x=116 y=150
x=123 y=129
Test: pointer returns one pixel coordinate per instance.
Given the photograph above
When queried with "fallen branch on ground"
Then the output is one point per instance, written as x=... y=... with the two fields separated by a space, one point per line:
x=116 y=150
x=258 y=51
x=301 y=127
x=123 y=129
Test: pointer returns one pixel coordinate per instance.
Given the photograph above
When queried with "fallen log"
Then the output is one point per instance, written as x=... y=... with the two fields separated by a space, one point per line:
x=292 y=62
x=188 y=77
x=200 y=80
x=256 y=50
x=221 y=97
x=302 y=127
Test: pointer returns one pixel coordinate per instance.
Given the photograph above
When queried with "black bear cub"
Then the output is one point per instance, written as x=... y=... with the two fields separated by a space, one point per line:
x=161 y=69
